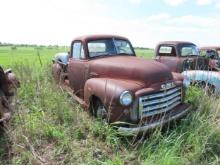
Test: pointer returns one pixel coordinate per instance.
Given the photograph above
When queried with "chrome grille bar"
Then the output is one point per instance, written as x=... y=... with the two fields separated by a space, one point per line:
x=159 y=102
x=158 y=106
x=145 y=102
x=151 y=113
x=161 y=94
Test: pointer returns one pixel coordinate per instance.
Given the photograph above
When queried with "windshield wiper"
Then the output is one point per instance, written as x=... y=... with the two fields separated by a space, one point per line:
x=123 y=54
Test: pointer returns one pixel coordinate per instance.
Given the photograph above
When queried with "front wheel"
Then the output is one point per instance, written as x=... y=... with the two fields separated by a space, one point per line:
x=99 y=110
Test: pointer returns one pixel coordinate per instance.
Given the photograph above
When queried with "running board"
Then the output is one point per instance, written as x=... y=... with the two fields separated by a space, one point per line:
x=70 y=92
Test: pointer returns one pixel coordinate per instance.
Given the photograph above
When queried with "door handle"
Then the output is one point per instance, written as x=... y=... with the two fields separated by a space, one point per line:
x=93 y=75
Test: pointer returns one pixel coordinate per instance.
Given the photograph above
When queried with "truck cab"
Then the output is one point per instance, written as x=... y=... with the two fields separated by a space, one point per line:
x=180 y=56
x=110 y=82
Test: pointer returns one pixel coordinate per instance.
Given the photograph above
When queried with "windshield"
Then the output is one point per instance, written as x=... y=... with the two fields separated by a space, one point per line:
x=189 y=50
x=107 y=47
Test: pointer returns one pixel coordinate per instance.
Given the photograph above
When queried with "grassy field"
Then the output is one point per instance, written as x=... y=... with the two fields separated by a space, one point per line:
x=49 y=127
x=20 y=55
x=10 y=56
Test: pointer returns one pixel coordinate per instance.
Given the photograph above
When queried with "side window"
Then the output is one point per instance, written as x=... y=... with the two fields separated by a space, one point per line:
x=78 y=51
x=202 y=53
x=167 y=51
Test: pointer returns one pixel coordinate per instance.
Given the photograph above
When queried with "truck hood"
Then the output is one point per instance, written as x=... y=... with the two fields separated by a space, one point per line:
x=147 y=72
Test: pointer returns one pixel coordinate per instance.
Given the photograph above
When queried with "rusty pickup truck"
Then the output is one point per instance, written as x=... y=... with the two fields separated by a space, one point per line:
x=185 y=57
x=180 y=56
x=108 y=80
x=213 y=53
x=8 y=84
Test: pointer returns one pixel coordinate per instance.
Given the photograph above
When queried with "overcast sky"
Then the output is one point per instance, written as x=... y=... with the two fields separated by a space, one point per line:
x=144 y=22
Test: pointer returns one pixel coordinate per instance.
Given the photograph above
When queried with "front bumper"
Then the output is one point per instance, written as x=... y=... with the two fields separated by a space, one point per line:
x=182 y=110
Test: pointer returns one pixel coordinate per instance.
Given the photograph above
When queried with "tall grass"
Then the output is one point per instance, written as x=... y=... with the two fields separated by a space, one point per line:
x=49 y=127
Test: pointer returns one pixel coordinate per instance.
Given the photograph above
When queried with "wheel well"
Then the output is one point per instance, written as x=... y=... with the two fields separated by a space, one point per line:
x=93 y=99
x=204 y=84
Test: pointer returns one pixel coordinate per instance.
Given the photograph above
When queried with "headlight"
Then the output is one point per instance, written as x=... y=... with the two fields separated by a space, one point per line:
x=126 y=98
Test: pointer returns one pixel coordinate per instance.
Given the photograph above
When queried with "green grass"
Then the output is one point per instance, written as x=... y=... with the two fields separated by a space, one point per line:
x=32 y=55
x=146 y=53
x=48 y=126
x=20 y=55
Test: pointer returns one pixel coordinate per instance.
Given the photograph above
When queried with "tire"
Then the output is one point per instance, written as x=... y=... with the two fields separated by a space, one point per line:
x=98 y=110
x=57 y=72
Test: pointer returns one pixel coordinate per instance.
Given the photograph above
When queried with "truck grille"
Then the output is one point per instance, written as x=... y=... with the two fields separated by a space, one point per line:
x=159 y=102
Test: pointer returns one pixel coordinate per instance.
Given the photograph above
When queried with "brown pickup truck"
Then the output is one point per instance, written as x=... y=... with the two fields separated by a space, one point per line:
x=8 y=85
x=108 y=80
x=211 y=52
x=180 y=56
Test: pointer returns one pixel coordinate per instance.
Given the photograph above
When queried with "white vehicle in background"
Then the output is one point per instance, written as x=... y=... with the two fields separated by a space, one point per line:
x=203 y=78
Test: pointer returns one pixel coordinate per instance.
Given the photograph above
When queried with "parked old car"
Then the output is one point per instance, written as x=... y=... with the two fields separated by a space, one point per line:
x=180 y=56
x=209 y=80
x=8 y=84
x=211 y=52
x=108 y=80
x=184 y=57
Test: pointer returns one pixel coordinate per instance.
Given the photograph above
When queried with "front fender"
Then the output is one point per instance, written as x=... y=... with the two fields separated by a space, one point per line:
x=108 y=90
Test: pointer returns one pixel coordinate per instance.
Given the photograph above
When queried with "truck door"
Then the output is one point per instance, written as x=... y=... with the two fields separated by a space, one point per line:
x=77 y=68
x=167 y=55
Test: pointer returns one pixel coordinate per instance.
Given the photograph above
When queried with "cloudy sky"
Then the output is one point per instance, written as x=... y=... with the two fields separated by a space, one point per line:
x=144 y=22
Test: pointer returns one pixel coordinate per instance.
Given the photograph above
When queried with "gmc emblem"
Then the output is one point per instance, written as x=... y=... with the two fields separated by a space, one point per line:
x=167 y=86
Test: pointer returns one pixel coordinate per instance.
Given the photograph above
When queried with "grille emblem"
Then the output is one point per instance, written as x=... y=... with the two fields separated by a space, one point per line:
x=167 y=86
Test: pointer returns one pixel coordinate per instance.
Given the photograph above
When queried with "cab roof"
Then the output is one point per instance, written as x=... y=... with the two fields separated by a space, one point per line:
x=209 y=47
x=99 y=36
x=174 y=43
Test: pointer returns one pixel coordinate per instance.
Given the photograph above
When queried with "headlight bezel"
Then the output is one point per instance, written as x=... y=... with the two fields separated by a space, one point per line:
x=122 y=97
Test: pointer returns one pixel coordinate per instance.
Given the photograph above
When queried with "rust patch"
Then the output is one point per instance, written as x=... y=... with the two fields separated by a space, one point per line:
x=8 y=85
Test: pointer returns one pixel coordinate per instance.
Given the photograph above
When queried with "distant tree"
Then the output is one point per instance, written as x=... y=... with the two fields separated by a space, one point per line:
x=13 y=48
